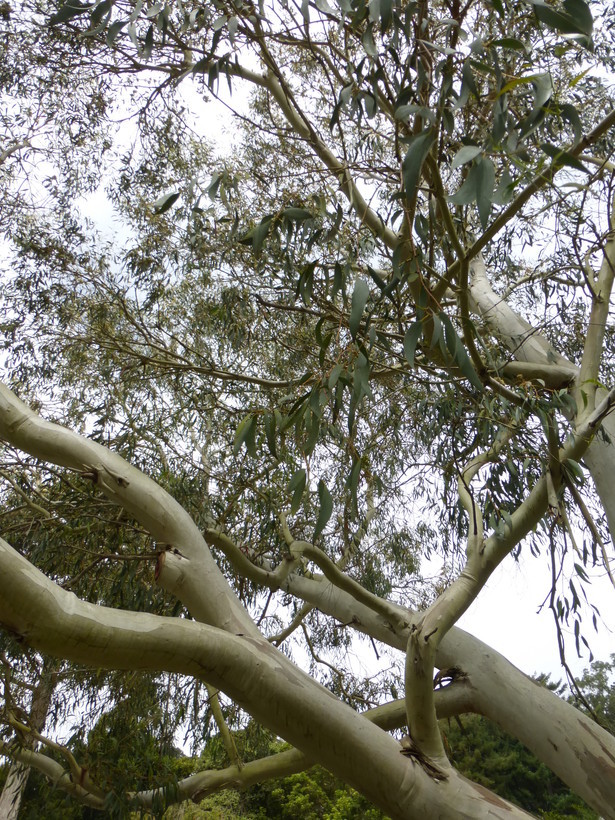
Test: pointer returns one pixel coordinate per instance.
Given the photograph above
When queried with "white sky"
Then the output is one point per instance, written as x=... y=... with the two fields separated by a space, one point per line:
x=506 y=617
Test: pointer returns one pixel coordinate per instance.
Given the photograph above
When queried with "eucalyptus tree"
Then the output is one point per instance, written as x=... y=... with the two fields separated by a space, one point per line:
x=379 y=328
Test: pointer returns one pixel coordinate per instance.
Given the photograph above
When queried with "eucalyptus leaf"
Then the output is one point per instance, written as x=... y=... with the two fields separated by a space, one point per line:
x=360 y=296
x=325 y=509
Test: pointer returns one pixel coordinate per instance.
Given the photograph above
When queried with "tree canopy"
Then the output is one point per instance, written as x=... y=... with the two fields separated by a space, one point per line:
x=374 y=329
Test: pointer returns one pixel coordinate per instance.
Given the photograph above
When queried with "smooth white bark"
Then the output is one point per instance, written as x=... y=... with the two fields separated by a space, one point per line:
x=526 y=344
x=247 y=667
x=160 y=514
x=257 y=677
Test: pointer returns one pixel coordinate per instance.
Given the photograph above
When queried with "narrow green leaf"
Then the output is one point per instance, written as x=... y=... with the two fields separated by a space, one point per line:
x=296 y=486
x=214 y=184
x=101 y=11
x=413 y=162
x=450 y=336
x=69 y=10
x=467 y=192
x=334 y=375
x=580 y=12
x=114 y=30
x=467 y=368
x=326 y=508
x=149 y=43
x=270 y=427
x=353 y=481
x=411 y=339
x=296 y=214
x=361 y=377
x=562 y=157
x=368 y=42
x=165 y=202
x=377 y=278
x=260 y=233
x=484 y=189
x=465 y=154
x=312 y=427
x=575 y=468
x=386 y=14
x=512 y=43
x=246 y=434
x=360 y=296
x=436 y=335
x=577 y=19
x=571 y=115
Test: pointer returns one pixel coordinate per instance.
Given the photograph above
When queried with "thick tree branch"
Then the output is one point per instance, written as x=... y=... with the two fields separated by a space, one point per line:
x=255 y=675
x=160 y=514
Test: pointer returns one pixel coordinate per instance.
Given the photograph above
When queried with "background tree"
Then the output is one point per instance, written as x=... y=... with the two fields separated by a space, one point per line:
x=390 y=339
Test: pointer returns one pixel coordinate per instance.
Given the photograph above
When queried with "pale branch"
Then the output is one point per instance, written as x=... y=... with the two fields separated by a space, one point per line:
x=225 y=733
x=258 y=678
x=273 y=579
x=296 y=622
x=127 y=486
x=475 y=518
x=498 y=690
x=572 y=745
x=597 y=322
x=451 y=701
x=527 y=345
x=54 y=772
x=332 y=572
x=78 y=774
x=554 y=376
x=419 y=698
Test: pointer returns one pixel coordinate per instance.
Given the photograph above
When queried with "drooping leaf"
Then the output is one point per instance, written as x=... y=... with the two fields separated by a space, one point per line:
x=246 y=434
x=325 y=509
x=462 y=360
x=412 y=165
x=165 y=202
x=467 y=192
x=270 y=428
x=296 y=486
x=465 y=154
x=360 y=296
x=353 y=481
x=485 y=183
x=296 y=214
x=411 y=339
x=571 y=115
x=361 y=377
x=561 y=157
x=260 y=233
x=71 y=9
x=576 y=19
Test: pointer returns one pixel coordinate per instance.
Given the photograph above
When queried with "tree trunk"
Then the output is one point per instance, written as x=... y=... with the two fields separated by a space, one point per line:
x=14 y=788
